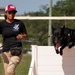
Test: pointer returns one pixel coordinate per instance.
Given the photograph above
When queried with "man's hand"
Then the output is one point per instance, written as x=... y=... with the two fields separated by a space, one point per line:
x=21 y=36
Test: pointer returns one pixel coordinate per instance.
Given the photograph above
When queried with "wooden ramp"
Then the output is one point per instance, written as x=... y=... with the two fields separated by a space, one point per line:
x=46 y=62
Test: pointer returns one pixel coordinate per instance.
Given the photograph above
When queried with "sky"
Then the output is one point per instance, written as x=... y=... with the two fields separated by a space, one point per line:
x=26 y=5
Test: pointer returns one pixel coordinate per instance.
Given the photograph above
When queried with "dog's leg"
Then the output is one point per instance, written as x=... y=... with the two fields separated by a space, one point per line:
x=61 y=49
x=57 y=51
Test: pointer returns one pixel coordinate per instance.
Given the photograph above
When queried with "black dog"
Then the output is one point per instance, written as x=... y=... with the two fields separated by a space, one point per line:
x=56 y=38
x=61 y=38
x=65 y=38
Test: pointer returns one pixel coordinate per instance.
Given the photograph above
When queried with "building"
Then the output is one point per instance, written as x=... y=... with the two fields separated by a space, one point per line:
x=2 y=11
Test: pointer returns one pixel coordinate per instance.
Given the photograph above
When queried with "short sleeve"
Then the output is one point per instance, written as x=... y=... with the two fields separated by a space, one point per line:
x=23 y=28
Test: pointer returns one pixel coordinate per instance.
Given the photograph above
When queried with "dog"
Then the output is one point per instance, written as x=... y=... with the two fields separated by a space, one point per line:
x=56 y=37
x=61 y=38
x=65 y=38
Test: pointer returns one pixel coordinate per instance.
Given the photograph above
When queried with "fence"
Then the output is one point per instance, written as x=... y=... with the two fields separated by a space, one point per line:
x=44 y=18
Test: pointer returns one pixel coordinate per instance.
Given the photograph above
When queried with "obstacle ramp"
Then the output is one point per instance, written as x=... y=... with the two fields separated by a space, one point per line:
x=46 y=62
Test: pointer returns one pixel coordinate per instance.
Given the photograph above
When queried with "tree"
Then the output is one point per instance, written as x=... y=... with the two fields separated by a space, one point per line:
x=64 y=8
x=38 y=29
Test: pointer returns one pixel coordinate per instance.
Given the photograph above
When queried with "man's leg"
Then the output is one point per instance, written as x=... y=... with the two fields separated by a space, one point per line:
x=6 y=57
x=14 y=61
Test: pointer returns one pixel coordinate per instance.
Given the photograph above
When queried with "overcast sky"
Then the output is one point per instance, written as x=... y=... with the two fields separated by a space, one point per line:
x=26 y=5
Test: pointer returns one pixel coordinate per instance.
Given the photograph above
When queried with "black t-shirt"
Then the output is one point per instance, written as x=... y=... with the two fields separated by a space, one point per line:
x=9 y=32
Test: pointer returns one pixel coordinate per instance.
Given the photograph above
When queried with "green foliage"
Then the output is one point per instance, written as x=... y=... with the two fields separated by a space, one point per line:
x=38 y=29
x=64 y=8
x=23 y=67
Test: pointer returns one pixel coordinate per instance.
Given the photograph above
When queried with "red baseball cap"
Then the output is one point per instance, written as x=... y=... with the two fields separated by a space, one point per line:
x=10 y=7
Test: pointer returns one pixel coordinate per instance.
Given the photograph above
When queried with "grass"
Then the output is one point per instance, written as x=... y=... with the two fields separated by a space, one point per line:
x=22 y=68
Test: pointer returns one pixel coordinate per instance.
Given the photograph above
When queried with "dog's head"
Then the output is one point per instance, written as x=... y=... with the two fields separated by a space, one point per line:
x=56 y=36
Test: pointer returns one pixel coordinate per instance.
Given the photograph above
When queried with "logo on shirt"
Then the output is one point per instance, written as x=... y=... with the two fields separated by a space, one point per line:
x=16 y=27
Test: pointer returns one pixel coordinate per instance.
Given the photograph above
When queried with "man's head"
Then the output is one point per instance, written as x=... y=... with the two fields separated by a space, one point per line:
x=10 y=7
x=10 y=11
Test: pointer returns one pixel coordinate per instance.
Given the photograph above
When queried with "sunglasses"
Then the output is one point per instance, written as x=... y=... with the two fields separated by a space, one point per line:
x=11 y=12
